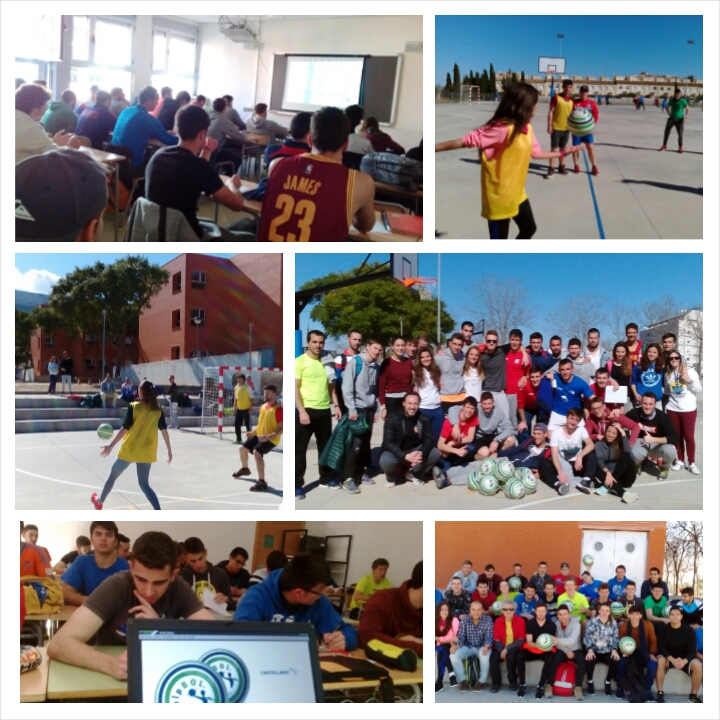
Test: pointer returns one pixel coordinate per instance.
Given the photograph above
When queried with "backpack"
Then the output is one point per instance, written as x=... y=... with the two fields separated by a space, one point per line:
x=632 y=682
x=42 y=595
x=359 y=669
x=393 y=169
x=564 y=679
x=184 y=400
x=472 y=670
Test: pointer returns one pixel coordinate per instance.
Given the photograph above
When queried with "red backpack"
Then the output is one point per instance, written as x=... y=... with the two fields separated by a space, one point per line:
x=565 y=679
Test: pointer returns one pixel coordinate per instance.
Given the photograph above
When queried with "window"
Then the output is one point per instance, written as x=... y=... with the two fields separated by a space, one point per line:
x=177 y=282
x=101 y=54
x=175 y=319
x=89 y=363
x=197 y=280
x=173 y=61
x=49 y=341
x=175 y=352
x=197 y=313
x=90 y=339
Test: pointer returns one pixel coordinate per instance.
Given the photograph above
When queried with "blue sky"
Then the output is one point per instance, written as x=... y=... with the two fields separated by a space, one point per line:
x=36 y=272
x=548 y=278
x=629 y=44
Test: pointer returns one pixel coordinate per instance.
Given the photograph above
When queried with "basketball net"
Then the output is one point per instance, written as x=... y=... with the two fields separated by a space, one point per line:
x=425 y=287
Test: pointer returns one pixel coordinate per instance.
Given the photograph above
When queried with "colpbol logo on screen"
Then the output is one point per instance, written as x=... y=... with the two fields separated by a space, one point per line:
x=191 y=682
x=233 y=672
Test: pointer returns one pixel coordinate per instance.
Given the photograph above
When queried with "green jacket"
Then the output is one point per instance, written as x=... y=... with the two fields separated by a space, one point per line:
x=333 y=455
x=59 y=116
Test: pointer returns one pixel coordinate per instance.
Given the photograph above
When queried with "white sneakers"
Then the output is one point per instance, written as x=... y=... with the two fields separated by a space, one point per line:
x=693 y=468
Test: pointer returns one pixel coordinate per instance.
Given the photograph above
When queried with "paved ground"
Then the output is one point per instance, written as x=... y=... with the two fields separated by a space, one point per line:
x=453 y=695
x=681 y=491
x=640 y=192
x=59 y=471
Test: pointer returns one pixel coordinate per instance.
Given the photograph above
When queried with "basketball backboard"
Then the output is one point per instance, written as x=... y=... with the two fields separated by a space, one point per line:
x=403 y=266
x=551 y=65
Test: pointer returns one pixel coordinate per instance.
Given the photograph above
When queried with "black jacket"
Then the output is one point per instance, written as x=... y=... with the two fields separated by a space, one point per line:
x=403 y=434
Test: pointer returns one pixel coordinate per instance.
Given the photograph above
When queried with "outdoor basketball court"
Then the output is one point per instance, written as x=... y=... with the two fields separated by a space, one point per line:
x=60 y=470
x=681 y=491
x=640 y=193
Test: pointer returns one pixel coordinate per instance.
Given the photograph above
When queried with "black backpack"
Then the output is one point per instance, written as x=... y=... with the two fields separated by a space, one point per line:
x=359 y=669
x=632 y=682
x=473 y=670
x=393 y=169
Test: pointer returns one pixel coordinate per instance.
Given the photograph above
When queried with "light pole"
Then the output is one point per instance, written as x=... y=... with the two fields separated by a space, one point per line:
x=561 y=37
x=438 y=303
x=104 y=313
x=250 y=344
x=401 y=325
x=197 y=322
x=690 y=43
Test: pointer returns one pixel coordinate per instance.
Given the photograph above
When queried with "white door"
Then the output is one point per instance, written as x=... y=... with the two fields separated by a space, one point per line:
x=611 y=548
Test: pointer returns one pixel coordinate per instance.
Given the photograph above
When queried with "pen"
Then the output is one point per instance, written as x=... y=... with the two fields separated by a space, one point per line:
x=384 y=217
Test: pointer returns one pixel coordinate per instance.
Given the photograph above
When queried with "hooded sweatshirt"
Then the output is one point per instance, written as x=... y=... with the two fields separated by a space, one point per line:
x=222 y=127
x=585 y=371
x=451 y=367
x=263 y=125
x=264 y=602
x=59 y=116
x=214 y=578
x=388 y=614
x=360 y=389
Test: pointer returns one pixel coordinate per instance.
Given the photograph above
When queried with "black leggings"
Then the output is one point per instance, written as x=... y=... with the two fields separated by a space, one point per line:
x=500 y=229
x=625 y=473
x=393 y=405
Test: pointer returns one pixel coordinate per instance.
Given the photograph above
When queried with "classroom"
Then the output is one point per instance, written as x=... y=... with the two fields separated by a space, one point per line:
x=236 y=599
x=112 y=104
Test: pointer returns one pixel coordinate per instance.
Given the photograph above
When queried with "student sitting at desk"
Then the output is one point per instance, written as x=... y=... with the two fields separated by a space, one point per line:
x=48 y=207
x=97 y=122
x=82 y=547
x=177 y=176
x=30 y=535
x=313 y=197
x=88 y=571
x=234 y=566
x=149 y=589
x=368 y=584
x=200 y=574
x=394 y=616
x=259 y=123
x=297 y=594
x=381 y=142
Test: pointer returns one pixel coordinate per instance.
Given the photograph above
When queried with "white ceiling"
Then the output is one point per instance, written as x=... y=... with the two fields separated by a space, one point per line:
x=252 y=18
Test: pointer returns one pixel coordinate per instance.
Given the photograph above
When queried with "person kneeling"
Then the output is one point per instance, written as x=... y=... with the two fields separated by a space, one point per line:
x=408 y=443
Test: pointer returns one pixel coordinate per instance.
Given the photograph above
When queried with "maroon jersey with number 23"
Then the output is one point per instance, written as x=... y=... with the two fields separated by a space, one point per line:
x=308 y=199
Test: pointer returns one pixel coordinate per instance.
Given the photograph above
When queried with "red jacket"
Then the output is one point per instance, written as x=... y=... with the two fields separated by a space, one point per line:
x=389 y=614
x=518 y=628
x=596 y=428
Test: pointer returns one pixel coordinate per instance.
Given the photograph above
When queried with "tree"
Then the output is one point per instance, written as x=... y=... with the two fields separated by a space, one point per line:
x=375 y=308
x=448 y=83
x=493 y=81
x=522 y=76
x=664 y=307
x=503 y=305
x=618 y=316
x=676 y=557
x=514 y=79
x=456 y=78
x=123 y=289
x=692 y=532
x=24 y=326
x=485 y=83
x=577 y=314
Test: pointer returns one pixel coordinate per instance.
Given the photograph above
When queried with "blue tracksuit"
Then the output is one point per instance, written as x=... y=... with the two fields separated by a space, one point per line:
x=617 y=587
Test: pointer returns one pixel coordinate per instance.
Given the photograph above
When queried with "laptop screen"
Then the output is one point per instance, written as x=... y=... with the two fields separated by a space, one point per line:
x=177 y=661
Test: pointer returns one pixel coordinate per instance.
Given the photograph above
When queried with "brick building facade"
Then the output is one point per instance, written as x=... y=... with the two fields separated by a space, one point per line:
x=505 y=543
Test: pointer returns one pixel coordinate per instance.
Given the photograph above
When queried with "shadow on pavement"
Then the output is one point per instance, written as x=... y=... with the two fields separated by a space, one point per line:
x=665 y=186
x=635 y=147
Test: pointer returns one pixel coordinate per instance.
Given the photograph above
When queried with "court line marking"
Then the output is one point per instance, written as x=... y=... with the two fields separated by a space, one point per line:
x=594 y=199
x=136 y=492
x=565 y=497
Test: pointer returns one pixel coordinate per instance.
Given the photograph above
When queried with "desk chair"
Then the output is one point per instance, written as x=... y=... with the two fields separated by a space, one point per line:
x=352 y=160
x=254 y=148
x=131 y=177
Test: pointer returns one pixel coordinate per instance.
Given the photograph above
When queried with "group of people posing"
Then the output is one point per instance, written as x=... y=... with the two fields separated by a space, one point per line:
x=581 y=417
x=483 y=620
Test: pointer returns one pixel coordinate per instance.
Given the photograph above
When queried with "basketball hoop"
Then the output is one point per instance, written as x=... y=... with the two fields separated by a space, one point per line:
x=409 y=282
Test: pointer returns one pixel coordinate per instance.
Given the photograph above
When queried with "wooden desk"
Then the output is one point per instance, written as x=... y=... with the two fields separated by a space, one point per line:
x=415 y=195
x=377 y=234
x=55 y=619
x=111 y=159
x=400 y=677
x=67 y=682
x=33 y=684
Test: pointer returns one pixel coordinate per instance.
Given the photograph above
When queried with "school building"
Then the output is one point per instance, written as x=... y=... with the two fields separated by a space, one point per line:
x=637 y=545
x=237 y=301
x=687 y=328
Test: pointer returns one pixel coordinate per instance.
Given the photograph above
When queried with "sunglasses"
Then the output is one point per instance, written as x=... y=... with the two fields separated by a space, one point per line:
x=491 y=342
x=674 y=357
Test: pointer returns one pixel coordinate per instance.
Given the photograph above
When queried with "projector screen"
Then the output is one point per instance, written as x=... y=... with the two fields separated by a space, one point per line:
x=312 y=82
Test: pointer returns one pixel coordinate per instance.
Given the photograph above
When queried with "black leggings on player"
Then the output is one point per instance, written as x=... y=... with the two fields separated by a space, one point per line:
x=500 y=229
x=679 y=124
x=625 y=473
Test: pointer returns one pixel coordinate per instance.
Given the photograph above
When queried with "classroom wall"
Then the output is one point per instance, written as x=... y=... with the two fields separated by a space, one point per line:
x=219 y=537
x=246 y=73
x=505 y=543
x=400 y=542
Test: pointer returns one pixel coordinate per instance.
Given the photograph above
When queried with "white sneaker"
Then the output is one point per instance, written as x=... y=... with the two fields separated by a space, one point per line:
x=677 y=465
x=629 y=497
x=693 y=468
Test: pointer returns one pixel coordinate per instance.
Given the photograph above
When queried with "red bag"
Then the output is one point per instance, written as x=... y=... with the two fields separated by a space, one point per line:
x=565 y=679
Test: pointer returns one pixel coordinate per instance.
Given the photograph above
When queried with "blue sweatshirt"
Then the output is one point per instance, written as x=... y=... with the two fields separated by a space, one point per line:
x=590 y=591
x=617 y=587
x=543 y=360
x=135 y=127
x=647 y=380
x=264 y=602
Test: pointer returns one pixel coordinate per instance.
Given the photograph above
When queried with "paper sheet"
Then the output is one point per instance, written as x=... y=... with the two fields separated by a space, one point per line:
x=208 y=598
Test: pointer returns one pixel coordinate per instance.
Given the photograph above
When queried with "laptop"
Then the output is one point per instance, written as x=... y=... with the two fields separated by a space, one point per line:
x=221 y=661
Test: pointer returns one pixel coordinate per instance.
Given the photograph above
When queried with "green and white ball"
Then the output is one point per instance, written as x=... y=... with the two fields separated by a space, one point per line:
x=488 y=485
x=496 y=608
x=105 y=431
x=627 y=645
x=580 y=122
x=526 y=477
x=617 y=609
x=569 y=605
x=515 y=583
x=514 y=489
x=588 y=560
x=473 y=481
x=504 y=470
x=666 y=610
x=544 y=642
x=487 y=466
